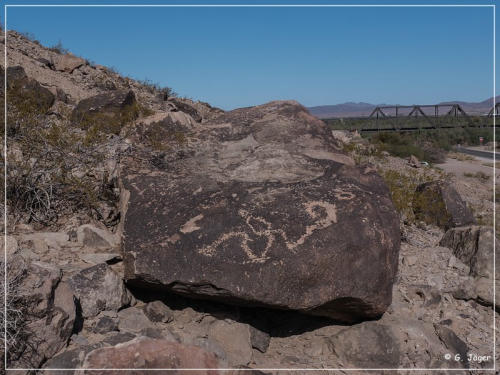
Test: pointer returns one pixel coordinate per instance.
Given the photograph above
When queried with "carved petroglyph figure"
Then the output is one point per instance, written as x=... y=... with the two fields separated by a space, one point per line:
x=324 y=213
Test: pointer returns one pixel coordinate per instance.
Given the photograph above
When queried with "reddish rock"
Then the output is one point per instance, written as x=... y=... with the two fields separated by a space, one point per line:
x=146 y=353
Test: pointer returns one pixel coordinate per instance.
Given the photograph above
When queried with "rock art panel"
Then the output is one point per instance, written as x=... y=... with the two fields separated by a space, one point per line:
x=229 y=222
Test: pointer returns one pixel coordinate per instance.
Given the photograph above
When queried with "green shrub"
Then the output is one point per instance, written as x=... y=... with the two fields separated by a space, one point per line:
x=403 y=191
x=428 y=145
x=428 y=206
x=404 y=145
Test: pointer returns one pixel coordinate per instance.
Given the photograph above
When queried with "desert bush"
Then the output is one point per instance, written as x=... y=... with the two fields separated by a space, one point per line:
x=16 y=333
x=113 y=122
x=161 y=138
x=459 y=156
x=113 y=69
x=429 y=145
x=362 y=153
x=397 y=144
x=25 y=106
x=59 y=48
x=479 y=175
x=30 y=36
x=42 y=182
x=50 y=164
x=153 y=87
x=428 y=206
x=403 y=191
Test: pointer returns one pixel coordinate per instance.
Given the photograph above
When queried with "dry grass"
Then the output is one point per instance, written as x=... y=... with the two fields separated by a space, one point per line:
x=459 y=156
x=481 y=176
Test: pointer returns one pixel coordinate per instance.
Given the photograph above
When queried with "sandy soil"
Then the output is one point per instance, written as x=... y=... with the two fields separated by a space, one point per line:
x=472 y=166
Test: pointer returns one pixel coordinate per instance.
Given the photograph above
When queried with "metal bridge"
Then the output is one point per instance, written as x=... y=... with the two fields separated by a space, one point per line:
x=420 y=117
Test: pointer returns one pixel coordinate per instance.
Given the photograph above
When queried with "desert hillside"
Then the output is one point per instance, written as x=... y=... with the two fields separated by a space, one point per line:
x=145 y=231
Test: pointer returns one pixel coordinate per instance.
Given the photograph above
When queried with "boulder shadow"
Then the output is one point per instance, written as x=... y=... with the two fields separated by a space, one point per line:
x=276 y=323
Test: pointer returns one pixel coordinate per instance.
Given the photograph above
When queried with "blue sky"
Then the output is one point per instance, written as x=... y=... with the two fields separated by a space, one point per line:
x=236 y=57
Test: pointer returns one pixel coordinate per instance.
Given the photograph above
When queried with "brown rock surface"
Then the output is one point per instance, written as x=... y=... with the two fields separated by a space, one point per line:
x=67 y=62
x=99 y=288
x=264 y=210
x=147 y=353
x=473 y=245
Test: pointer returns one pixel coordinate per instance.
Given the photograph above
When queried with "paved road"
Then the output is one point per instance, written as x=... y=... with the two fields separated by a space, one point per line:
x=481 y=154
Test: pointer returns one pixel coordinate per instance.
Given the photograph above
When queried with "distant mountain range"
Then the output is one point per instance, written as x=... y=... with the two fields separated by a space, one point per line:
x=352 y=109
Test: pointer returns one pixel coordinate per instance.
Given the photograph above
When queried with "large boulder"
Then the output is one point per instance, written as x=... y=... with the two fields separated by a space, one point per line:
x=148 y=353
x=26 y=94
x=473 y=245
x=109 y=111
x=186 y=108
x=438 y=203
x=66 y=62
x=263 y=210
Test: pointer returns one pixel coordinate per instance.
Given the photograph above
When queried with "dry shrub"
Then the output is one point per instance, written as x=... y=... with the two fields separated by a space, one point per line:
x=112 y=122
x=459 y=156
x=481 y=176
x=161 y=136
x=50 y=164
x=17 y=311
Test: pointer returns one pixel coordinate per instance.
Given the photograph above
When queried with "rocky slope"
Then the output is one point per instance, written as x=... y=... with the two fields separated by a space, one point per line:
x=206 y=238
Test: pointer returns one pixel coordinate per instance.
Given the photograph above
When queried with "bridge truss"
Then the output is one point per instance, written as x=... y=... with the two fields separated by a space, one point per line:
x=418 y=117
x=433 y=119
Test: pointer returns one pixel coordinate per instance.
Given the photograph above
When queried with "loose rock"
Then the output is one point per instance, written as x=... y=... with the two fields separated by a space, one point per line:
x=110 y=294
x=473 y=245
x=157 y=311
x=235 y=339
x=66 y=63
x=147 y=353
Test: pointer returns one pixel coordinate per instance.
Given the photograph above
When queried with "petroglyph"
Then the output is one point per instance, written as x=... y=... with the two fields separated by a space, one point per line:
x=324 y=213
x=331 y=217
x=344 y=195
x=190 y=225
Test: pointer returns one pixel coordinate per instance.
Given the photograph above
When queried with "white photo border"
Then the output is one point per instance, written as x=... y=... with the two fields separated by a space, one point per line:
x=492 y=6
